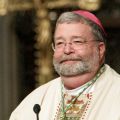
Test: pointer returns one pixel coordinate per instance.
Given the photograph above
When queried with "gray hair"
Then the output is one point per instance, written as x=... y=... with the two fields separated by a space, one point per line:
x=70 y=17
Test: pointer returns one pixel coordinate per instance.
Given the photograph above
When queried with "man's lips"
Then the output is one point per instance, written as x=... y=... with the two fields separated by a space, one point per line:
x=69 y=61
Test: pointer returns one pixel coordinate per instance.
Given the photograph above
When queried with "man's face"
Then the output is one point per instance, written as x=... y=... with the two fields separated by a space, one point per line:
x=76 y=51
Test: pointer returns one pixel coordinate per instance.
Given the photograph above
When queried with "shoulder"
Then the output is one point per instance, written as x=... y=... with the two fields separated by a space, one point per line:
x=35 y=97
x=109 y=80
x=112 y=73
x=113 y=78
x=41 y=90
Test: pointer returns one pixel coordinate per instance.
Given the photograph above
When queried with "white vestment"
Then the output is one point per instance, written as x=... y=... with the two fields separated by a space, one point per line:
x=105 y=103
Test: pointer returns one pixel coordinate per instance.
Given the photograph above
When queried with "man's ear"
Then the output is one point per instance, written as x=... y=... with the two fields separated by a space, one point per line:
x=102 y=50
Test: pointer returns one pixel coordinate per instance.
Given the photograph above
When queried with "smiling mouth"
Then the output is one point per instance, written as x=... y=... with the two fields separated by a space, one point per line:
x=70 y=61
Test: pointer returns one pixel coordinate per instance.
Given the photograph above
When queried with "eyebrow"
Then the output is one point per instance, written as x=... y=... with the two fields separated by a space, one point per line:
x=58 y=38
x=76 y=36
x=72 y=37
x=79 y=37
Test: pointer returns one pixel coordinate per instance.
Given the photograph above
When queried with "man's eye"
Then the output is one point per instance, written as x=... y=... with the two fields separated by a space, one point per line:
x=78 y=42
x=59 y=43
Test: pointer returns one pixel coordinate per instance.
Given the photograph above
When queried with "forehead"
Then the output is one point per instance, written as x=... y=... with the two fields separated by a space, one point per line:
x=72 y=29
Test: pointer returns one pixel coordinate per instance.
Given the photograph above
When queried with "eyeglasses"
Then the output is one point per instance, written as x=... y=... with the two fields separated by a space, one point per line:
x=75 y=44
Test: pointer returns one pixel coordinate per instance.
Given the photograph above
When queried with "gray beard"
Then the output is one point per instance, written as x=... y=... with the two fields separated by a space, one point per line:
x=70 y=70
x=80 y=67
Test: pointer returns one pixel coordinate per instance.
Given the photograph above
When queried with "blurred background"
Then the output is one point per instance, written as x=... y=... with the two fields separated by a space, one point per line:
x=26 y=34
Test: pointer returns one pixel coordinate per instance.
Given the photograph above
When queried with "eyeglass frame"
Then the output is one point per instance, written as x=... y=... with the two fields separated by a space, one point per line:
x=82 y=42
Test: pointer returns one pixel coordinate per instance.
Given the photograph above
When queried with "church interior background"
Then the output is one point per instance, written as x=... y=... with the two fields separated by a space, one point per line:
x=26 y=34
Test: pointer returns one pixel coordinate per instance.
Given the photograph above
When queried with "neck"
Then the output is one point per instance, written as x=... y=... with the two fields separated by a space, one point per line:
x=72 y=82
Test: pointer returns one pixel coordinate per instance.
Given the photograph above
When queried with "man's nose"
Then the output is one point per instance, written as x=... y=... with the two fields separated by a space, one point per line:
x=68 y=48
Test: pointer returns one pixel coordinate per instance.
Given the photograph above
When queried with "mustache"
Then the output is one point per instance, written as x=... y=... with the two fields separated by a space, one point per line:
x=68 y=58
